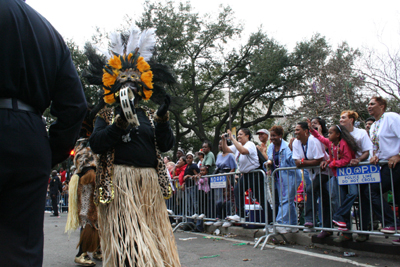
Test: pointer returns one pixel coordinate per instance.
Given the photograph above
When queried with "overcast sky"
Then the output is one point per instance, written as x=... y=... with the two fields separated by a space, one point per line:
x=360 y=23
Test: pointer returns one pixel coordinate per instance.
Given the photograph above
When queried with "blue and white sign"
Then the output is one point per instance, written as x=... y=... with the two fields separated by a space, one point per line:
x=218 y=182
x=359 y=175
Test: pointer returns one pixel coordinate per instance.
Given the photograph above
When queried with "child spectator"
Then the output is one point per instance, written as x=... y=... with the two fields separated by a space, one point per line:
x=189 y=179
x=203 y=189
x=342 y=149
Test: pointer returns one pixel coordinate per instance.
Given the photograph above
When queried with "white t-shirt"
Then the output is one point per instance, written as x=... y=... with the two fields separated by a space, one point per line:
x=362 y=140
x=249 y=161
x=313 y=150
x=388 y=135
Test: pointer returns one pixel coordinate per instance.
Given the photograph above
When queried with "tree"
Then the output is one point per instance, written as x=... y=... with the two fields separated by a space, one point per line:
x=80 y=61
x=382 y=71
x=259 y=73
x=330 y=81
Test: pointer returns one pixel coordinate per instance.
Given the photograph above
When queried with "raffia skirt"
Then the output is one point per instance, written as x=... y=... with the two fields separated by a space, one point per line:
x=135 y=229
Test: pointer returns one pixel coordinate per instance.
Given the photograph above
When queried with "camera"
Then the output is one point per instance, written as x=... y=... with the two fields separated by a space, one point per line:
x=226 y=135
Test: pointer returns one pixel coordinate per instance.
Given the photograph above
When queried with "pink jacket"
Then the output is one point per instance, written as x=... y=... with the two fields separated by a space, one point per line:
x=345 y=153
x=203 y=184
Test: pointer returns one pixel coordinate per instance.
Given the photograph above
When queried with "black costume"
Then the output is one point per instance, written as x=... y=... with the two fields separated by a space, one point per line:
x=55 y=187
x=131 y=178
x=36 y=68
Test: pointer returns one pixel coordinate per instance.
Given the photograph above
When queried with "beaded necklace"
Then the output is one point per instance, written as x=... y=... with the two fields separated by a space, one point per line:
x=337 y=150
x=279 y=161
x=374 y=135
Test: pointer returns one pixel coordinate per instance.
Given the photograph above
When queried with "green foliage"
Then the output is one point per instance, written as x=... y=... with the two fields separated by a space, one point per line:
x=259 y=77
x=81 y=63
x=330 y=84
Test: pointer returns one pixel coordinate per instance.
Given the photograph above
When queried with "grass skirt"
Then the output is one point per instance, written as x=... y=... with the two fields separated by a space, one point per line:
x=135 y=229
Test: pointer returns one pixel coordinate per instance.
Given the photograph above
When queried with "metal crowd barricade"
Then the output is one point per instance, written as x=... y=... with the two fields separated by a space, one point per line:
x=213 y=198
x=176 y=206
x=323 y=199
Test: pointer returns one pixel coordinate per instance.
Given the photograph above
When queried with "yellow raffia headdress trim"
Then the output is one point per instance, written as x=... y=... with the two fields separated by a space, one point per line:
x=115 y=66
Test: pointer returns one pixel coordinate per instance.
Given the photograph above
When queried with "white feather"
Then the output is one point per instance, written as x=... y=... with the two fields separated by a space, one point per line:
x=104 y=52
x=116 y=43
x=147 y=42
x=133 y=40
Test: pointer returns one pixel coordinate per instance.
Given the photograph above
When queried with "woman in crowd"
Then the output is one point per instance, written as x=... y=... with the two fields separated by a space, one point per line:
x=245 y=152
x=286 y=182
x=342 y=149
x=319 y=125
x=225 y=163
x=385 y=136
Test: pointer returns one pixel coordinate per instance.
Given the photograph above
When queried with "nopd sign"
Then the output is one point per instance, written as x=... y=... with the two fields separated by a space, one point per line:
x=359 y=175
x=218 y=182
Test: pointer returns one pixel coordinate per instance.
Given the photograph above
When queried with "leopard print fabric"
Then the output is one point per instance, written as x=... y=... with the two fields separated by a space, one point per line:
x=104 y=189
x=163 y=178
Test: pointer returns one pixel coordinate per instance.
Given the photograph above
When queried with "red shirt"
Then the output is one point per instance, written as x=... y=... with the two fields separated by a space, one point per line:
x=180 y=171
x=63 y=176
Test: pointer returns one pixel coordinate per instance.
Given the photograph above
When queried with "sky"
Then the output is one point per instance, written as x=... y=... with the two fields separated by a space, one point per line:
x=359 y=23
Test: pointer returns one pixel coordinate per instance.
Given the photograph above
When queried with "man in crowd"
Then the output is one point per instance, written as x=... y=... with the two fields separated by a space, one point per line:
x=308 y=151
x=209 y=158
x=368 y=124
x=263 y=136
x=36 y=70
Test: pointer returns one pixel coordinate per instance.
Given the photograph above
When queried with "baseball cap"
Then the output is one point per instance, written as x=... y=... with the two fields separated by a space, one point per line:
x=263 y=131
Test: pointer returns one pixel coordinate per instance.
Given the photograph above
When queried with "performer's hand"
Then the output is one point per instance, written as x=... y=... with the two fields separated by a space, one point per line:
x=120 y=112
x=162 y=110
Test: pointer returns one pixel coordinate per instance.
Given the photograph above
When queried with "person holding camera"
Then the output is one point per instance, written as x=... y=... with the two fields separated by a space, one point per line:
x=245 y=152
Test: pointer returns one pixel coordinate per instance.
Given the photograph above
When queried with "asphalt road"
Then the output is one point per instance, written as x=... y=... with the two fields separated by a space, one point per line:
x=196 y=250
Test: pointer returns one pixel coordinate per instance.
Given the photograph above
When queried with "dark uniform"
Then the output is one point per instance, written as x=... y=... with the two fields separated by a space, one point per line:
x=35 y=70
x=55 y=187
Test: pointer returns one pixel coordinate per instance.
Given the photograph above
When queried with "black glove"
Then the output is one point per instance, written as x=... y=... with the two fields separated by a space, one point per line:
x=118 y=111
x=162 y=110
x=120 y=119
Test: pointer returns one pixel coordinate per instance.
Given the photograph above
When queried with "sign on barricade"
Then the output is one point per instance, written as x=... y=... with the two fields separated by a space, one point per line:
x=359 y=175
x=218 y=182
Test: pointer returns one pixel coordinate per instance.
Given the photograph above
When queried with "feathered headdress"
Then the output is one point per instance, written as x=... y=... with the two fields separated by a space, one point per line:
x=127 y=60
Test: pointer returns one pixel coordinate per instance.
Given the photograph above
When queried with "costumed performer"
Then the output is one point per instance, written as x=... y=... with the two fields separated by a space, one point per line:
x=82 y=210
x=135 y=229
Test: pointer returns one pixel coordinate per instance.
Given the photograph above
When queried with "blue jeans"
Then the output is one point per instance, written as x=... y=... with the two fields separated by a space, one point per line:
x=376 y=198
x=287 y=188
x=192 y=203
x=313 y=192
x=349 y=193
x=223 y=209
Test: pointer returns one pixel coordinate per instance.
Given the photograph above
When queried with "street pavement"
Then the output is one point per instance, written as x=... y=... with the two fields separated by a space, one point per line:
x=206 y=250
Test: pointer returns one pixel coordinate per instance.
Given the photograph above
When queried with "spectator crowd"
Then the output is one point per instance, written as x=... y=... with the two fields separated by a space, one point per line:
x=316 y=152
